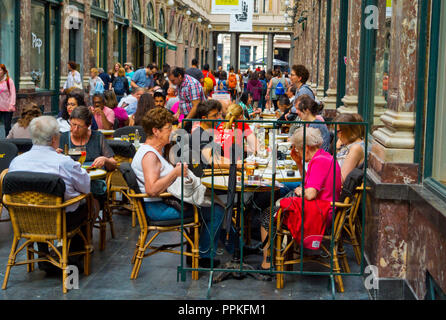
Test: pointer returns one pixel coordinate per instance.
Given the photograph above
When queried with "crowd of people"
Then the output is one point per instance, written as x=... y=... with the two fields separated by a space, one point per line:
x=159 y=99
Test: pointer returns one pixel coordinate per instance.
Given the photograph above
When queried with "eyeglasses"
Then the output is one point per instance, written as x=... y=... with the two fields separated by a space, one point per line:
x=78 y=126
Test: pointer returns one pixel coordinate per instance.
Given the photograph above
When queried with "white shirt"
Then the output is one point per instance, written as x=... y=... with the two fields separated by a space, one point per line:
x=131 y=104
x=63 y=124
x=45 y=159
x=73 y=81
x=166 y=167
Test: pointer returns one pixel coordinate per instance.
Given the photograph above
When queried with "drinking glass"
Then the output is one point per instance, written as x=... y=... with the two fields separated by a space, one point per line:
x=83 y=155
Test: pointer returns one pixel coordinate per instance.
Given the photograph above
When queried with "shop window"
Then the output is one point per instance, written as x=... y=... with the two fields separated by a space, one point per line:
x=97 y=42
x=136 y=11
x=439 y=143
x=119 y=7
x=162 y=23
x=38 y=44
x=245 y=54
x=99 y=4
x=150 y=16
x=7 y=35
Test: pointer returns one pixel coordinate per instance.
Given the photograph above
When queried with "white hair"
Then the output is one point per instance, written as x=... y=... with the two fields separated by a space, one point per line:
x=313 y=138
x=43 y=129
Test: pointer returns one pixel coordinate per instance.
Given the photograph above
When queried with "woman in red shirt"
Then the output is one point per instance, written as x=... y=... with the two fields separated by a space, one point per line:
x=229 y=132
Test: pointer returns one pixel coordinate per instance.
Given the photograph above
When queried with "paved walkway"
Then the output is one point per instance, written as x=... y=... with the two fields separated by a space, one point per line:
x=111 y=268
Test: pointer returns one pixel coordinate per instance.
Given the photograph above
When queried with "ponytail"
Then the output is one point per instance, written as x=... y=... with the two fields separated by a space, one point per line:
x=234 y=112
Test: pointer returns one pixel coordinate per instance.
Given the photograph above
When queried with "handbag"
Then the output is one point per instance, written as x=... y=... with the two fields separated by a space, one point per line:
x=194 y=192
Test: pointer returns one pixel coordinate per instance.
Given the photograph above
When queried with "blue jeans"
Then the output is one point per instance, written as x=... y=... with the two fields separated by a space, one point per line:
x=160 y=211
x=289 y=186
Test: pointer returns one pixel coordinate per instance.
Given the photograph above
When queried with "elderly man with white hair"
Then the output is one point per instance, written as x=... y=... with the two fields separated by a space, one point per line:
x=44 y=158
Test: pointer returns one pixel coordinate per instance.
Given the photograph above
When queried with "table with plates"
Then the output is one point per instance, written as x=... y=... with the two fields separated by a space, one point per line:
x=96 y=173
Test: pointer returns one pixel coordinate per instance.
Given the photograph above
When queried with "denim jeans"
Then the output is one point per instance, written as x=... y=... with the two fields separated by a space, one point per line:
x=288 y=186
x=6 y=118
x=160 y=211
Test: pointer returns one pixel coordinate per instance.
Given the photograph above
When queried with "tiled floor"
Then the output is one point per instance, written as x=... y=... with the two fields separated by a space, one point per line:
x=111 y=268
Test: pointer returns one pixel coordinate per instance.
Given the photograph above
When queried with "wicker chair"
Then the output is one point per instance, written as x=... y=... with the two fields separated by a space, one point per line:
x=353 y=225
x=124 y=152
x=35 y=204
x=8 y=151
x=190 y=228
x=284 y=256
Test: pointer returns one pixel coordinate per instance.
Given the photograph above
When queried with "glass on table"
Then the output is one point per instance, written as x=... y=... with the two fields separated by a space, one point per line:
x=131 y=137
x=125 y=138
x=83 y=156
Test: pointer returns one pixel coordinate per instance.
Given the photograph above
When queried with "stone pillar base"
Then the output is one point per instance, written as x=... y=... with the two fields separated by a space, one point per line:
x=379 y=110
x=26 y=82
x=398 y=131
x=330 y=100
x=320 y=92
x=350 y=105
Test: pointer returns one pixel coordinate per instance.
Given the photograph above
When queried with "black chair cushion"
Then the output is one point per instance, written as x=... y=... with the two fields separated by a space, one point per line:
x=168 y=223
x=21 y=181
x=22 y=144
x=130 y=129
x=8 y=151
x=122 y=148
x=129 y=176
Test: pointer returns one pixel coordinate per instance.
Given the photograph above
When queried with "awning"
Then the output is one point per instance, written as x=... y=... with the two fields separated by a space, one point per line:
x=159 y=40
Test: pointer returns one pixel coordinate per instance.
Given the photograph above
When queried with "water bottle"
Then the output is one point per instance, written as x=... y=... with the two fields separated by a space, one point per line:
x=137 y=137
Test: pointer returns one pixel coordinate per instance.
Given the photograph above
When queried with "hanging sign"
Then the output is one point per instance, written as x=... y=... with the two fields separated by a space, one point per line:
x=226 y=6
x=242 y=22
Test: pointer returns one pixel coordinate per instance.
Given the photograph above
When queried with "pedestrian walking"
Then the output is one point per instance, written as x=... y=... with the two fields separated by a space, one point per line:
x=114 y=73
x=96 y=84
x=73 y=79
x=276 y=88
x=7 y=98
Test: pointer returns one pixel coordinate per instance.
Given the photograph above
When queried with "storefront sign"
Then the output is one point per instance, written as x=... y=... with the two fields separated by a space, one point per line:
x=226 y=6
x=242 y=22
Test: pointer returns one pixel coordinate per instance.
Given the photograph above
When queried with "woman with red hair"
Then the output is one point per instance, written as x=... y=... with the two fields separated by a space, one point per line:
x=7 y=98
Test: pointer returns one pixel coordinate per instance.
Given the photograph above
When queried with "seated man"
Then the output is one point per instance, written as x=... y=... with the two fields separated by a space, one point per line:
x=104 y=116
x=130 y=103
x=160 y=99
x=44 y=158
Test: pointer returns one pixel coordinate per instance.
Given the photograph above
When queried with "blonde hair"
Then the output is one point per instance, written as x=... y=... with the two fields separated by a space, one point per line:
x=94 y=71
x=121 y=72
x=234 y=112
x=313 y=138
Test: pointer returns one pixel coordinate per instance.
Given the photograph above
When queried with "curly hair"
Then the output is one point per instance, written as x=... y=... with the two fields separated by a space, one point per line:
x=28 y=113
x=77 y=94
x=156 y=118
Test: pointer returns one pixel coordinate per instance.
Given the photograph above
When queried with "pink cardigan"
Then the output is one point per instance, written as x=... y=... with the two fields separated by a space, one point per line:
x=7 y=98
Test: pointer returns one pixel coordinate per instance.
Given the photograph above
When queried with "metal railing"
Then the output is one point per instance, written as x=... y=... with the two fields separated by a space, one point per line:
x=241 y=269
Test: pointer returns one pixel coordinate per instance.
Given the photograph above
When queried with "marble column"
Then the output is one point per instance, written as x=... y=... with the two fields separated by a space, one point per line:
x=211 y=43
x=322 y=40
x=86 y=42
x=25 y=81
x=315 y=44
x=110 y=30
x=330 y=99
x=350 y=99
x=380 y=102
x=270 y=51
x=396 y=140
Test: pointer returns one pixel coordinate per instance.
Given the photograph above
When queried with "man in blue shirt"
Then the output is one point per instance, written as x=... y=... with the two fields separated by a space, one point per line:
x=143 y=77
x=128 y=66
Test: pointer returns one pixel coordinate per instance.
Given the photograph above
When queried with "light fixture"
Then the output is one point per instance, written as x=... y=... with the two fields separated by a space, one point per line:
x=209 y=26
x=170 y=3
x=199 y=20
x=286 y=28
x=188 y=12
x=287 y=3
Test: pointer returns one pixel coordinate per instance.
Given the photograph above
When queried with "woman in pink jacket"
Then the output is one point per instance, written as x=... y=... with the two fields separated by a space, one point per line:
x=7 y=98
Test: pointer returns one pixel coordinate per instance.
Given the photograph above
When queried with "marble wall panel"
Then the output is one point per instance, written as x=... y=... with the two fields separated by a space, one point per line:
x=353 y=48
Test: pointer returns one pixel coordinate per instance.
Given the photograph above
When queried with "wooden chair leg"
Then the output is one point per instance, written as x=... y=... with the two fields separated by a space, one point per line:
x=196 y=253
x=343 y=256
x=279 y=261
x=102 y=234
x=337 y=269
x=133 y=213
x=64 y=265
x=30 y=256
x=139 y=256
x=11 y=261
x=135 y=252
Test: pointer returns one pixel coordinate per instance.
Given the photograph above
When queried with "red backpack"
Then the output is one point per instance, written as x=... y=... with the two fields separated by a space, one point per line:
x=232 y=81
